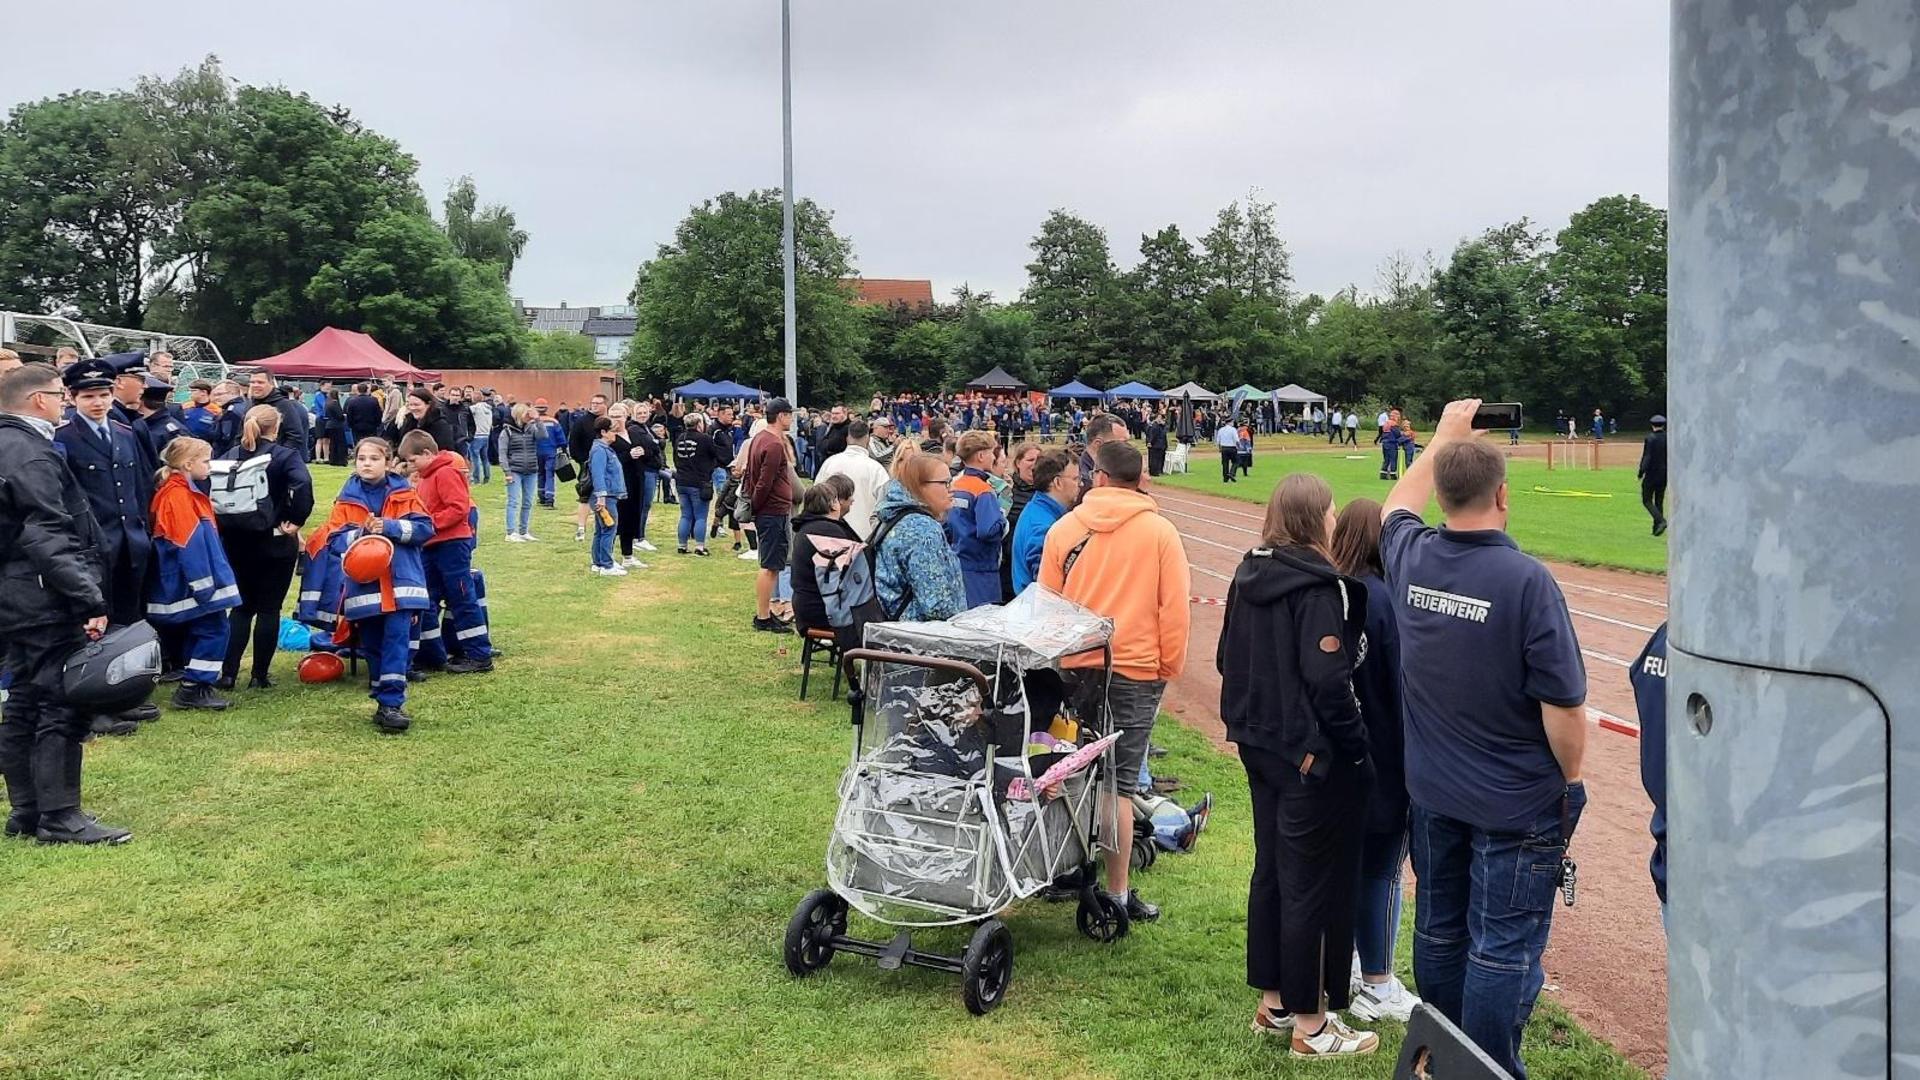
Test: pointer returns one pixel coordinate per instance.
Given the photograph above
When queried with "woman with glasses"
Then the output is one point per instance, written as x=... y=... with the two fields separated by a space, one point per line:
x=915 y=571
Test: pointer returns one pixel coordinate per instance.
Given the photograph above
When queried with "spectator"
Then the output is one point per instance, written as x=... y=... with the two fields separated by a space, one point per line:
x=1227 y=439
x=771 y=487
x=1599 y=426
x=426 y=414
x=199 y=415
x=263 y=550
x=1157 y=444
x=868 y=476
x=1495 y=733
x=629 y=454
x=607 y=485
x=834 y=435
x=293 y=417
x=551 y=439
x=9 y=360
x=695 y=460
x=1292 y=632
x=1383 y=849
x=520 y=460
x=1101 y=429
x=393 y=412
x=976 y=524
x=50 y=557
x=1058 y=489
x=441 y=478
x=1127 y=564
x=650 y=455
x=822 y=528
x=361 y=414
x=1020 y=491
x=915 y=573
x=581 y=439
x=477 y=447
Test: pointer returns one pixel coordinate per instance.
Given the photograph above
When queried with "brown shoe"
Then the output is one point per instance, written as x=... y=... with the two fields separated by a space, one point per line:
x=1334 y=1039
x=1272 y=1022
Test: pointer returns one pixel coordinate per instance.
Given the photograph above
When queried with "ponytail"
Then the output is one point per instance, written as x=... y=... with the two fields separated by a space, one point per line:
x=179 y=454
x=263 y=422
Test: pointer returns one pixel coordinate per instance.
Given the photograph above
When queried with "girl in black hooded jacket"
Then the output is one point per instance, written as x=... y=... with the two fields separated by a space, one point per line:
x=1286 y=657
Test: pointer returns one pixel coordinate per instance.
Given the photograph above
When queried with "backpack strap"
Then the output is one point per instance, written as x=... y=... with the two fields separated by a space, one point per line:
x=880 y=533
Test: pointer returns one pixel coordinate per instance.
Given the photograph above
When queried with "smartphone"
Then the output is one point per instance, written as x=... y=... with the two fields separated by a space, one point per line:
x=1496 y=416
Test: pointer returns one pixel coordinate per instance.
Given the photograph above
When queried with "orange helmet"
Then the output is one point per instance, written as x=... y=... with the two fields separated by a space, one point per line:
x=319 y=667
x=367 y=559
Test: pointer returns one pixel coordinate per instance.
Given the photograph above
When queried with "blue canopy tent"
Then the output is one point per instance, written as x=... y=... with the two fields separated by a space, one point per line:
x=1077 y=390
x=727 y=388
x=696 y=388
x=1138 y=391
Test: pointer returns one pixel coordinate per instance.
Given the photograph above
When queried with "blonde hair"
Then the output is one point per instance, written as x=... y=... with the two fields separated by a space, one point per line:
x=973 y=442
x=519 y=413
x=179 y=454
x=262 y=422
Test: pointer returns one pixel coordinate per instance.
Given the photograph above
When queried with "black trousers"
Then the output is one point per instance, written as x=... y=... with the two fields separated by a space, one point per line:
x=627 y=523
x=1156 y=460
x=1228 y=456
x=1653 y=496
x=40 y=736
x=264 y=571
x=1307 y=840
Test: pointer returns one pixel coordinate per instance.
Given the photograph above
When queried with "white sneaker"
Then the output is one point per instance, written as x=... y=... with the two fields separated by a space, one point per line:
x=1334 y=1039
x=528 y=538
x=1390 y=1000
x=513 y=538
x=579 y=534
x=634 y=564
x=749 y=555
x=613 y=571
x=646 y=545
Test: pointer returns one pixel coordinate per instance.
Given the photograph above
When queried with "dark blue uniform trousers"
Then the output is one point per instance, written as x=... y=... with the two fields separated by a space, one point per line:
x=386 y=641
x=203 y=644
x=450 y=584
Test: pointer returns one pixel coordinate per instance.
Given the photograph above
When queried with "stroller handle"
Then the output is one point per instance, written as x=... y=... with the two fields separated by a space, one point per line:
x=932 y=663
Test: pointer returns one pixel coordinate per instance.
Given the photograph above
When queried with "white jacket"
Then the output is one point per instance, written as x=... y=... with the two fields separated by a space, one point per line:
x=869 y=484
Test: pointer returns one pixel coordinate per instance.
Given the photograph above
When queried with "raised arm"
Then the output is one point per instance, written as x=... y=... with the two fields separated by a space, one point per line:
x=1415 y=488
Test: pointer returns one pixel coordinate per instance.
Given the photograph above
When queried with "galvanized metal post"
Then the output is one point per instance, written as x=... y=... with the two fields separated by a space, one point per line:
x=786 y=196
x=1794 y=677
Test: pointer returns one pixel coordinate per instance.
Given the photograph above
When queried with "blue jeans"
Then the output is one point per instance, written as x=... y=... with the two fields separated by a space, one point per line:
x=603 y=535
x=1482 y=908
x=693 y=515
x=521 y=491
x=1377 y=922
x=477 y=456
x=643 y=500
x=546 y=479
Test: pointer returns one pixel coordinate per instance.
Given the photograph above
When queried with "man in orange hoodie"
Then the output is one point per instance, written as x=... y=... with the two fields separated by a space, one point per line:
x=1116 y=555
x=441 y=477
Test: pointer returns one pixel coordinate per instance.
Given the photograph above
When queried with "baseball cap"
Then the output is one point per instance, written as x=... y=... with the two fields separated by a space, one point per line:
x=776 y=407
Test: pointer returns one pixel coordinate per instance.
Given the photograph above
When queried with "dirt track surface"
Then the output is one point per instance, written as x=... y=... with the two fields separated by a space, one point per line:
x=1607 y=959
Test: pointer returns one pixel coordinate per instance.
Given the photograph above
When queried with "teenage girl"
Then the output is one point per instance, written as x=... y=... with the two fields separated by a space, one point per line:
x=194 y=586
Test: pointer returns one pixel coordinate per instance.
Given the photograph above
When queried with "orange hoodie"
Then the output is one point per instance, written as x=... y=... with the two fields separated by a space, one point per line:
x=1132 y=570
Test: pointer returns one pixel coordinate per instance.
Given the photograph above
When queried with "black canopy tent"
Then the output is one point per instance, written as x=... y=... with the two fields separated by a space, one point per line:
x=997 y=381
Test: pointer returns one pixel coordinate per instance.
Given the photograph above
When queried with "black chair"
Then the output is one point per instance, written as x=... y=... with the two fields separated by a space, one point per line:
x=818 y=641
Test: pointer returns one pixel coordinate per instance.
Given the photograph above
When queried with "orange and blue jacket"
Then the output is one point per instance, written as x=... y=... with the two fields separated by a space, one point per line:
x=193 y=576
x=976 y=526
x=327 y=596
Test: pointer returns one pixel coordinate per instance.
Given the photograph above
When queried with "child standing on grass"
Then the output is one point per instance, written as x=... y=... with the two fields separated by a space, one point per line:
x=377 y=616
x=609 y=487
x=448 y=559
x=194 y=586
x=1243 y=457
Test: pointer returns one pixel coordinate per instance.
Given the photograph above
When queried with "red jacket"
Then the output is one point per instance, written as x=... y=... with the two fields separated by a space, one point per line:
x=769 y=482
x=443 y=487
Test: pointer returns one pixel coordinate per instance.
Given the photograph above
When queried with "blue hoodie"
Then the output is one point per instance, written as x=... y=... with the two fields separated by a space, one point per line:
x=1030 y=538
x=915 y=572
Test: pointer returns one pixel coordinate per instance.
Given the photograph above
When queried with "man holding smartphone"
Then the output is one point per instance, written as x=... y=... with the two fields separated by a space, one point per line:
x=1495 y=732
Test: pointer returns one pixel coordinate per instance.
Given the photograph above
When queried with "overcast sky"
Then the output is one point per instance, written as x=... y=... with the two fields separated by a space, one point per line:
x=941 y=134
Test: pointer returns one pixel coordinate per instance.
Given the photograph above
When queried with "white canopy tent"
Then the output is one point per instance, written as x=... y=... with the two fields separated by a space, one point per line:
x=1295 y=394
x=1192 y=391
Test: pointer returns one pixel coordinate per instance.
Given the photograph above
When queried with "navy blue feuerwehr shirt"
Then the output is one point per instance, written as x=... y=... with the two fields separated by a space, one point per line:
x=1484 y=640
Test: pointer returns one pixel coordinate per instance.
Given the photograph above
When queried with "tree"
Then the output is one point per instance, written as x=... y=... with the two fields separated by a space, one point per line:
x=1606 y=316
x=1248 y=272
x=1487 y=306
x=560 y=349
x=989 y=335
x=487 y=234
x=1245 y=255
x=1168 y=318
x=710 y=302
x=1071 y=291
x=923 y=355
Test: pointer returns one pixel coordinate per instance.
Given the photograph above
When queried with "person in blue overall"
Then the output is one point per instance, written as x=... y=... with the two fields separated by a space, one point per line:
x=976 y=526
x=1390 y=447
x=193 y=586
x=378 y=617
x=550 y=438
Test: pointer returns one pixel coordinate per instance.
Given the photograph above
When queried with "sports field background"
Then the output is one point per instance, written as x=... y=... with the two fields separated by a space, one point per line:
x=578 y=866
x=1580 y=515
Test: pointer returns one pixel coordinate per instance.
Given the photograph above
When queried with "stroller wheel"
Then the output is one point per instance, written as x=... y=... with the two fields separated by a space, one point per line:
x=987 y=967
x=1145 y=851
x=1101 y=917
x=820 y=918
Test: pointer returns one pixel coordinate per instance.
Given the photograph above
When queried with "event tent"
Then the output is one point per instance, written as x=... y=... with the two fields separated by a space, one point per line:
x=1295 y=394
x=1076 y=389
x=342 y=354
x=696 y=388
x=1138 y=391
x=1193 y=391
x=997 y=379
x=1245 y=390
x=727 y=388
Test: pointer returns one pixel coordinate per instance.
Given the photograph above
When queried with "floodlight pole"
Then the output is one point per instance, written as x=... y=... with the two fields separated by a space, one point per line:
x=786 y=194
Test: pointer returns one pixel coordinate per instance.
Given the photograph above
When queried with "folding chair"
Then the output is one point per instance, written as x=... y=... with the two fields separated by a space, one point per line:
x=823 y=642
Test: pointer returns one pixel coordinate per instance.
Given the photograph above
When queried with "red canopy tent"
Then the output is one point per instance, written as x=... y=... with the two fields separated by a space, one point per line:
x=342 y=354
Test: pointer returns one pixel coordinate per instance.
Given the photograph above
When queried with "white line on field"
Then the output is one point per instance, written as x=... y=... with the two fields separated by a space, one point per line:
x=1612 y=621
x=1613 y=593
x=1607 y=659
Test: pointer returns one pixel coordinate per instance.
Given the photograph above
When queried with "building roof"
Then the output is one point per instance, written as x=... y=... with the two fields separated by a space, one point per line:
x=913 y=292
x=608 y=327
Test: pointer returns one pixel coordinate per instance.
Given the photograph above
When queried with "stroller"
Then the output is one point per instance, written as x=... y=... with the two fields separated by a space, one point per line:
x=942 y=817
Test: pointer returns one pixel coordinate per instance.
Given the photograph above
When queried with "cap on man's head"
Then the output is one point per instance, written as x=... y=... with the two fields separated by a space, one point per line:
x=200 y=384
x=158 y=389
x=539 y=403
x=776 y=407
x=88 y=375
x=1658 y=420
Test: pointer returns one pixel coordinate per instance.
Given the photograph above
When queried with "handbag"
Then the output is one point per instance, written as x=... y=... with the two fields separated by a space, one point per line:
x=565 y=472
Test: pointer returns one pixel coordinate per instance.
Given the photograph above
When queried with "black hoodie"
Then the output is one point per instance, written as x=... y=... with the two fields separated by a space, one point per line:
x=1287 y=651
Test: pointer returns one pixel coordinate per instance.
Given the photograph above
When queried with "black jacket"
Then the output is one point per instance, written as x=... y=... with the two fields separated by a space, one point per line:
x=1157 y=435
x=1653 y=458
x=289 y=484
x=808 y=609
x=580 y=437
x=363 y=415
x=694 y=459
x=230 y=424
x=435 y=423
x=50 y=566
x=641 y=435
x=519 y=448
x=832 y=438
x=1286 y=658
x=1376 y=682
x=294 y=421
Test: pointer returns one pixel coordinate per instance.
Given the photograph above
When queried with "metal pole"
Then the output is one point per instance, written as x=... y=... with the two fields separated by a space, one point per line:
x=1793 y=699
x=786 y=195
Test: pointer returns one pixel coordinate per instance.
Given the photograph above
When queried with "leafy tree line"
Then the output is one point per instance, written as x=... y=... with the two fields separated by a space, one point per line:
x=1574 y=320
x=252 y=215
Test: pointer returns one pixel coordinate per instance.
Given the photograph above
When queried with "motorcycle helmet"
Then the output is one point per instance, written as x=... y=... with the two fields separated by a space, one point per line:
x=114 y=673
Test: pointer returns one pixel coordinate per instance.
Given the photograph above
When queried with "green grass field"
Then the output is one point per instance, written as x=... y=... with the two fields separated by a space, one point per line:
x=1604 y=526
x=578 y=866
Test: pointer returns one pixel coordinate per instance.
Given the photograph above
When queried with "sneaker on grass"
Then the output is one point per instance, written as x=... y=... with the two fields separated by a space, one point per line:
x=646 y=545
x=1273 y=1022
x=1390 y=1000
x=1334 y=1039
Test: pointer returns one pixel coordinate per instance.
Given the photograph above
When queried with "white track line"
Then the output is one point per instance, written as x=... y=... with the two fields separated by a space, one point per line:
x=1606 y=659
x=1613 y=593
x=1612 y=621
x=1157 y=497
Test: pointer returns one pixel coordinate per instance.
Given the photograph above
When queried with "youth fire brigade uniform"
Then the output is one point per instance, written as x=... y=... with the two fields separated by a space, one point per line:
x=110 y=464
x=193 y=584
x=448 y=560
x=976 y=529
x=379 y=617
